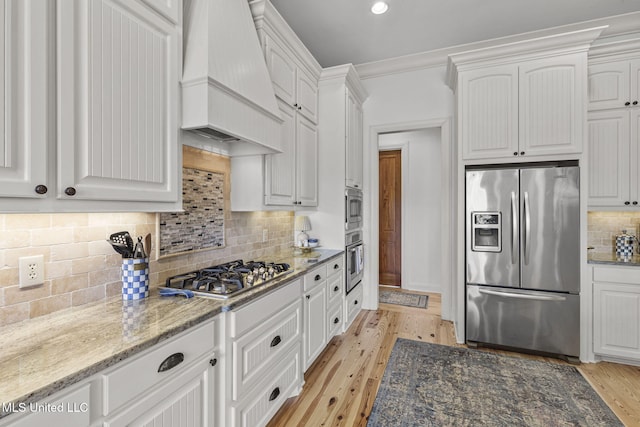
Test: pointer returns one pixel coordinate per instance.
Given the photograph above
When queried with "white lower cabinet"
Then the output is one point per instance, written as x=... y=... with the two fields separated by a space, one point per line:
x=315 y=313
x=264 y=353
x=616 y=313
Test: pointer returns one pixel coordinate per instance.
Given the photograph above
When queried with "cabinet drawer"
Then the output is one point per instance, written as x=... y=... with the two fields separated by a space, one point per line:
x=256 y=351
x=253 y=314
x=280 y=382
x=335 y=289
x=131 y=378
x=335 y=267
x=354 y=304
x=616 y=274
x=336 y=320
x=315 y=277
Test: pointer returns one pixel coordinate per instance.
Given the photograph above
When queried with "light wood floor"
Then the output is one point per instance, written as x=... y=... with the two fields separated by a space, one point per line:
x=340 y=387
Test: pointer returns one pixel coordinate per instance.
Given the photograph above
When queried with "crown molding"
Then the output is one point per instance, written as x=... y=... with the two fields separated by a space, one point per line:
x=344 y=74
x=618 y=25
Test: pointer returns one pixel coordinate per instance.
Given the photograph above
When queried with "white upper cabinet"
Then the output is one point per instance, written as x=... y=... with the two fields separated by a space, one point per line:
x=117 y=106
x=291 y=82
x=25 y=91
x=489 y=112
x=532 y=108
x=353 y=134
x=97 y=131
x=523 y=101
x=614 y=84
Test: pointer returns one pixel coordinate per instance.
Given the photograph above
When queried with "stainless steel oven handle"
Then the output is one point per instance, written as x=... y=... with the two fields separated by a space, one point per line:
x=514 y=228
x=523 y=296
x=527 y=228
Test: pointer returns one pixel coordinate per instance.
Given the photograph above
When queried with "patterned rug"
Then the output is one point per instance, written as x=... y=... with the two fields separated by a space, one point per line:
x=434 y=385
x=403 y=298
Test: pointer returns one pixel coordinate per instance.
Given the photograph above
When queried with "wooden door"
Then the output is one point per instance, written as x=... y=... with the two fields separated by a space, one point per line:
x=390 y=226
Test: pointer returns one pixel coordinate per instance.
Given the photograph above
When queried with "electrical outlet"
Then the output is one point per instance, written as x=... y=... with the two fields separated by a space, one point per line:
x=265 y=235
x=31 y=271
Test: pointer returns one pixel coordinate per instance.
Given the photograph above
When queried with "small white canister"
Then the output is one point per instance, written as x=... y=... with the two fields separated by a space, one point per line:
x=624 y=244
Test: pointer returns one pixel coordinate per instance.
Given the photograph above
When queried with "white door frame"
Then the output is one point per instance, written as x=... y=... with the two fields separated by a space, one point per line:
x=371 y=222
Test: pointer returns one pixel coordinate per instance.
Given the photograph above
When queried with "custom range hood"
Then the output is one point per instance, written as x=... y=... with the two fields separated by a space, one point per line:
x=227 y=94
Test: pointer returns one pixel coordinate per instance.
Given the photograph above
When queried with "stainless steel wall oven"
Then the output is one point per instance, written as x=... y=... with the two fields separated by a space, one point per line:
x=355 y=260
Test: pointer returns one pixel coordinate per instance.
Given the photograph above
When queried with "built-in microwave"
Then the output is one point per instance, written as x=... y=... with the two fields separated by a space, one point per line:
x=353 y=209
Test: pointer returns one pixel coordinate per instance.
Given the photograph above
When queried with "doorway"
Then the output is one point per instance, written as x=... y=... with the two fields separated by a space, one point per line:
x=390 y=218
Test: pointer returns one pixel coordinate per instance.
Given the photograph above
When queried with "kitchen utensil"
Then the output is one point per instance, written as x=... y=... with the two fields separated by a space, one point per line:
x=173 y=292
x=147 y=244
x=124 y=238
x=138 y=252
x=120 y=248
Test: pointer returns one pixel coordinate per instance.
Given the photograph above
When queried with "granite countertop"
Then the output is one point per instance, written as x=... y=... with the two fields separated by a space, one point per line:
x=41 y=356
x=612 y=259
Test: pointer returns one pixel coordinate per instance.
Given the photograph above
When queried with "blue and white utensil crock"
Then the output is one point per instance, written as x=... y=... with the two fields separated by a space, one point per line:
x=624 y=244
x=135 y=278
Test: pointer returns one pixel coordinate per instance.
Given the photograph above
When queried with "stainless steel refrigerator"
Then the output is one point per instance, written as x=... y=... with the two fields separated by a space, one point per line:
x=523 y=258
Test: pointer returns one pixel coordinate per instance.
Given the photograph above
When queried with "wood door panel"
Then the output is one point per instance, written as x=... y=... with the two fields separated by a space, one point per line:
x=390 y=213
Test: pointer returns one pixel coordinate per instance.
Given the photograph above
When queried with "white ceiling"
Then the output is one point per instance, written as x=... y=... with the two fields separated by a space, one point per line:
x=345 y=31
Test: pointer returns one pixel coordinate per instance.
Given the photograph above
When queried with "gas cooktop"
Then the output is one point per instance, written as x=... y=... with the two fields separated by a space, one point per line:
x=230 y=279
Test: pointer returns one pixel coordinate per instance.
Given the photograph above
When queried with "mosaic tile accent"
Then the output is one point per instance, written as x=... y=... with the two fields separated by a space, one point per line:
x=201 y=225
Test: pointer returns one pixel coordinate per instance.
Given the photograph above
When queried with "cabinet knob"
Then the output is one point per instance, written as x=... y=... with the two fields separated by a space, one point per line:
x=635 y=102
x=355 y=302
x=213 y=362
x=318 y=277
x=336 y=320
x=295 y=105
x=626 y=203
x=336 y=266
x=308 y=296
x=70 y=191
x=515 y=153
x=635 y=202
x=41 y=189
x=299 y=107
x=522 y=153
x=336 y=289
x=627 y=103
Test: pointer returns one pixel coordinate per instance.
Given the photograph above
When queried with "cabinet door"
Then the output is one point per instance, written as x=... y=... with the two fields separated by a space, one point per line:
x=608 y=85
x=307 y=96
x=551 y=105
x=634 y=148
x=306 y=162
x=118 y=70
x=353 y=142
x=282 y=70
x=616 y=320
x=609 y=153
x=25 y=96
x=489 y=112
x=187 y=400
x=280 y=169
x=315 y=324
x=635 y=83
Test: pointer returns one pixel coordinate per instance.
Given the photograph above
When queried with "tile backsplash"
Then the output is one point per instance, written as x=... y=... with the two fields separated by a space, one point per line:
x=81 y=267
x=604 y=226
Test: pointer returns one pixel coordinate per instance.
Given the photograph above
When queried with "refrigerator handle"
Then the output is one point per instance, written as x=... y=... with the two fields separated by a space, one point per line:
x=523 y=296
x=514 y=228
x=527 y=228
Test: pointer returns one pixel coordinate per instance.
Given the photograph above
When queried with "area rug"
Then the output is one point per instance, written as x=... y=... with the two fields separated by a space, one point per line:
x=403 y=298
x=434 y=385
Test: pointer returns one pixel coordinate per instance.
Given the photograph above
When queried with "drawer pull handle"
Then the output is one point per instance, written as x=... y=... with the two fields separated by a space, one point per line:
x=336 y=320
x=318 y=277
x=274 y=342
x=336 y=266
x=355 y=302
x=213 y=362
x=171 y=362
x=274 y=394
x=336 y=289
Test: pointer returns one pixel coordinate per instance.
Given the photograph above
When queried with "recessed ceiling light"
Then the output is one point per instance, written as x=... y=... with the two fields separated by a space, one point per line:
x=379 y=7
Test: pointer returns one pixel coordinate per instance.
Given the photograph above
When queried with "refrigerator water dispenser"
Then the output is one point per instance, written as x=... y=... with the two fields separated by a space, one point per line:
x=486 y=231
